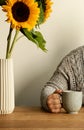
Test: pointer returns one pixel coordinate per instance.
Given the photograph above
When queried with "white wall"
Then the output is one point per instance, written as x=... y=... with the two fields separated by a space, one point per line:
x=63 y=31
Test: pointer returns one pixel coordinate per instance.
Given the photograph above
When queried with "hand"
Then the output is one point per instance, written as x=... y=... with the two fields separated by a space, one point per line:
x=54 y=102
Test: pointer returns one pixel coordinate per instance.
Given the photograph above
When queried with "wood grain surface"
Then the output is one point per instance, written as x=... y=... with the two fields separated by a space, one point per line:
x=34 y=118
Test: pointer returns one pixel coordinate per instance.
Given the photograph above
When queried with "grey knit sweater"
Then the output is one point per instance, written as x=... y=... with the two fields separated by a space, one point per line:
x=68 y=75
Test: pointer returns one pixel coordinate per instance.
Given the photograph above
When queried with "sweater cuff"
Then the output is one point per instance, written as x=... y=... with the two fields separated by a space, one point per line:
x=44 y=95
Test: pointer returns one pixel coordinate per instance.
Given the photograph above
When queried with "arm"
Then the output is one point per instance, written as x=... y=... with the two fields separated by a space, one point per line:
x=59 y=81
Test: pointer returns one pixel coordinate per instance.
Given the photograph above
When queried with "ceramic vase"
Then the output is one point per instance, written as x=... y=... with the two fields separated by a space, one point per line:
x=7 y=102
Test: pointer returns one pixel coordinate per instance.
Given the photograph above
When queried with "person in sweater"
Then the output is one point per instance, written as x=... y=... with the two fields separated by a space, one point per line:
x=69 y=75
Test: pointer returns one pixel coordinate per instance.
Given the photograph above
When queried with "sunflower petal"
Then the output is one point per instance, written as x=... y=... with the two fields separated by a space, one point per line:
x=29 y=15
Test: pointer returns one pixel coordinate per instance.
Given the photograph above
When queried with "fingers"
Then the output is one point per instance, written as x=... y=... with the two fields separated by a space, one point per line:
x=55 y=106
x=54 y=103
x=56 y=110
x=58 y=91
x=54 y=96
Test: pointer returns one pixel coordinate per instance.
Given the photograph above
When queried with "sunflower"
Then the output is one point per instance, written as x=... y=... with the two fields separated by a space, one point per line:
x=47 y=9
x=22 y=13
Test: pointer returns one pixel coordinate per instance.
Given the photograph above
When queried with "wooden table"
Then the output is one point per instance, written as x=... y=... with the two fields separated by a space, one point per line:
x=34 y=118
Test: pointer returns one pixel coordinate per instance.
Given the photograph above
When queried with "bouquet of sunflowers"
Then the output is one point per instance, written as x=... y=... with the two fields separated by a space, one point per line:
x=25 y=16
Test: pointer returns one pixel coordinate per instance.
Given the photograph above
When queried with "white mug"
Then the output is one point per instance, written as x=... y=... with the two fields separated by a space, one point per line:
x=72 y=101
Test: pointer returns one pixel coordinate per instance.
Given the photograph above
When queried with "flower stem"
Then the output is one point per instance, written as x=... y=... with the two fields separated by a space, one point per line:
x=8 y=42
x=13 y=43
x=19 y=38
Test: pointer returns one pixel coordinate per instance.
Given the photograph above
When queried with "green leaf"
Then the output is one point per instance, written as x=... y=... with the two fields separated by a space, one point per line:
x=41 y=5
x=41 y=16
x=2 y=2
x=36 y=37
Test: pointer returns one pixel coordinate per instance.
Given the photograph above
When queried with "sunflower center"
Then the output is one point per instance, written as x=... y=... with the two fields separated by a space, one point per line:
x=20 y=12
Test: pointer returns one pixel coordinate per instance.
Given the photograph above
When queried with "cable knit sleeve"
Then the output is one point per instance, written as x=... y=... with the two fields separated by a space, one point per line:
x=68 y=75
x=59 y=80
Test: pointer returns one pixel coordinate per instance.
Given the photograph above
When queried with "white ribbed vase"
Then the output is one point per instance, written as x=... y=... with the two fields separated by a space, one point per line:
x=7 y=102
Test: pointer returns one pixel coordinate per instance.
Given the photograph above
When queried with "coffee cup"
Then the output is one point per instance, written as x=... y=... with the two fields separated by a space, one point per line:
x=72 y=101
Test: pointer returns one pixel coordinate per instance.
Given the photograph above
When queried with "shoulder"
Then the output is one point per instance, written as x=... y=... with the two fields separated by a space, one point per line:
x=75 y=54
x=76 y=51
